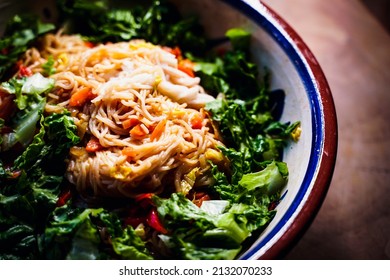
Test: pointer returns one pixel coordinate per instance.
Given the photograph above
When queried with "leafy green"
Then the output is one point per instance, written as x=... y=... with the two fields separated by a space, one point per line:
x=251 y=186
x=73 y=233
x=65 y=225
x=28 y=89
x=160 y=23
x=243 y=114
x=14 y=86
x=239 y=38
x=48 y=66
x=212 y=76
x=36 y=85
x=195 y=233
x=254 y=141
x=31 y=224
x=21 y=31
x=58 y=133
x=30 y=101
x=30 y=187
x=272 y=178
x=233 y=74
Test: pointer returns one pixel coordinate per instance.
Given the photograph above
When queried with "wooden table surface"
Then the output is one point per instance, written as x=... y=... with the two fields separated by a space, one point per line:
x=354 y=52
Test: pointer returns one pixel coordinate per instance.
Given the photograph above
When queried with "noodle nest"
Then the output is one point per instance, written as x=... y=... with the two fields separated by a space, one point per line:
x=140 y=117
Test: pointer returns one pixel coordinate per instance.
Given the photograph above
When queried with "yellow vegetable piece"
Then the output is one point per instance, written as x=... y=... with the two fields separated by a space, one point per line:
x=120 y=172
x=188 y=182
x=141 y=44
x=214 y=155
x=63 y=59
x=296 y=133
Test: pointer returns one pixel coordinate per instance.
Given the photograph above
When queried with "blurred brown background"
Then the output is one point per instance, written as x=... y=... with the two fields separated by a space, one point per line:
x=381 y=10
x=351 y=41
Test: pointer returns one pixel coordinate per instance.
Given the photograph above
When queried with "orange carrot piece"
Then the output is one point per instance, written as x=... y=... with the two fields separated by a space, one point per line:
x=93 y=145
x=130 y=123
x=128 y=151
x=158 y=130
x=175 y=51
x=80 y=97
x=137 y=131
x=196 y=121
x=187 y=66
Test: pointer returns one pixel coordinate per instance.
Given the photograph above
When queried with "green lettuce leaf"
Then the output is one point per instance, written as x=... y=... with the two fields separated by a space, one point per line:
x=160 y=23
x=21 y=31
x=30 y=101
x=239 y=38
x=74 y=233
x=197 y=234
x=30 y=187
x=271 y=179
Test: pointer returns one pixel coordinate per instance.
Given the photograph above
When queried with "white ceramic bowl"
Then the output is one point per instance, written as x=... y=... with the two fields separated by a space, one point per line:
x=308 y=99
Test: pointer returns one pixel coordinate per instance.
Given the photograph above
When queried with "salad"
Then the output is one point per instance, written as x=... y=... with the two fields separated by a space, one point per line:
x=43 y=216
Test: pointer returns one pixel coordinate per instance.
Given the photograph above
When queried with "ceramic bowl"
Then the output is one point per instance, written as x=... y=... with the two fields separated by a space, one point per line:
x=276 y=46
x=294 y=69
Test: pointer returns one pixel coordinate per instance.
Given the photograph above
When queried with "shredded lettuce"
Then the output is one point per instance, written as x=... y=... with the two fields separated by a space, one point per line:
x=200 y=232
x=37 y=84
x=48 y=66
x=30 y=188
x=33 y=226
x=30 y=100
x=271 y=179
x=31 y=185
x=74 y=234
x=21 y=31
x=159 y=23
x=239 y=38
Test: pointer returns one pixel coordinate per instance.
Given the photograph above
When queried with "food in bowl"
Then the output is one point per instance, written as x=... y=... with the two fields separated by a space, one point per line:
x=135 y=137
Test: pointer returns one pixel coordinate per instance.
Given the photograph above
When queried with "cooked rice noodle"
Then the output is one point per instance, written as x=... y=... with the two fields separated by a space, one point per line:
x=130 y=80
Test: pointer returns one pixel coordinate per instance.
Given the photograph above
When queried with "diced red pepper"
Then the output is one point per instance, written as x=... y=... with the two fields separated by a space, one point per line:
x=199 y=198
x=64 y=197
x=135 y=216
x=93 y=145
x=196 y=121
x=24 y=71
x=154 y=221
x=144 y=200
x=221 y=52
x=89 y=44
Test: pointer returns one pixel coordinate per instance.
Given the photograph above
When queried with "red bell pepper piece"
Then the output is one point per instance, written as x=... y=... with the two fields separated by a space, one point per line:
x=154 y=221
x=24 y=71
x=144 y=200
x=64 y=197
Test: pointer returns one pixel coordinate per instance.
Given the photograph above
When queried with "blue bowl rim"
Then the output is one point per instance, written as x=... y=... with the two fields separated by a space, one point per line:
x=324 y=126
